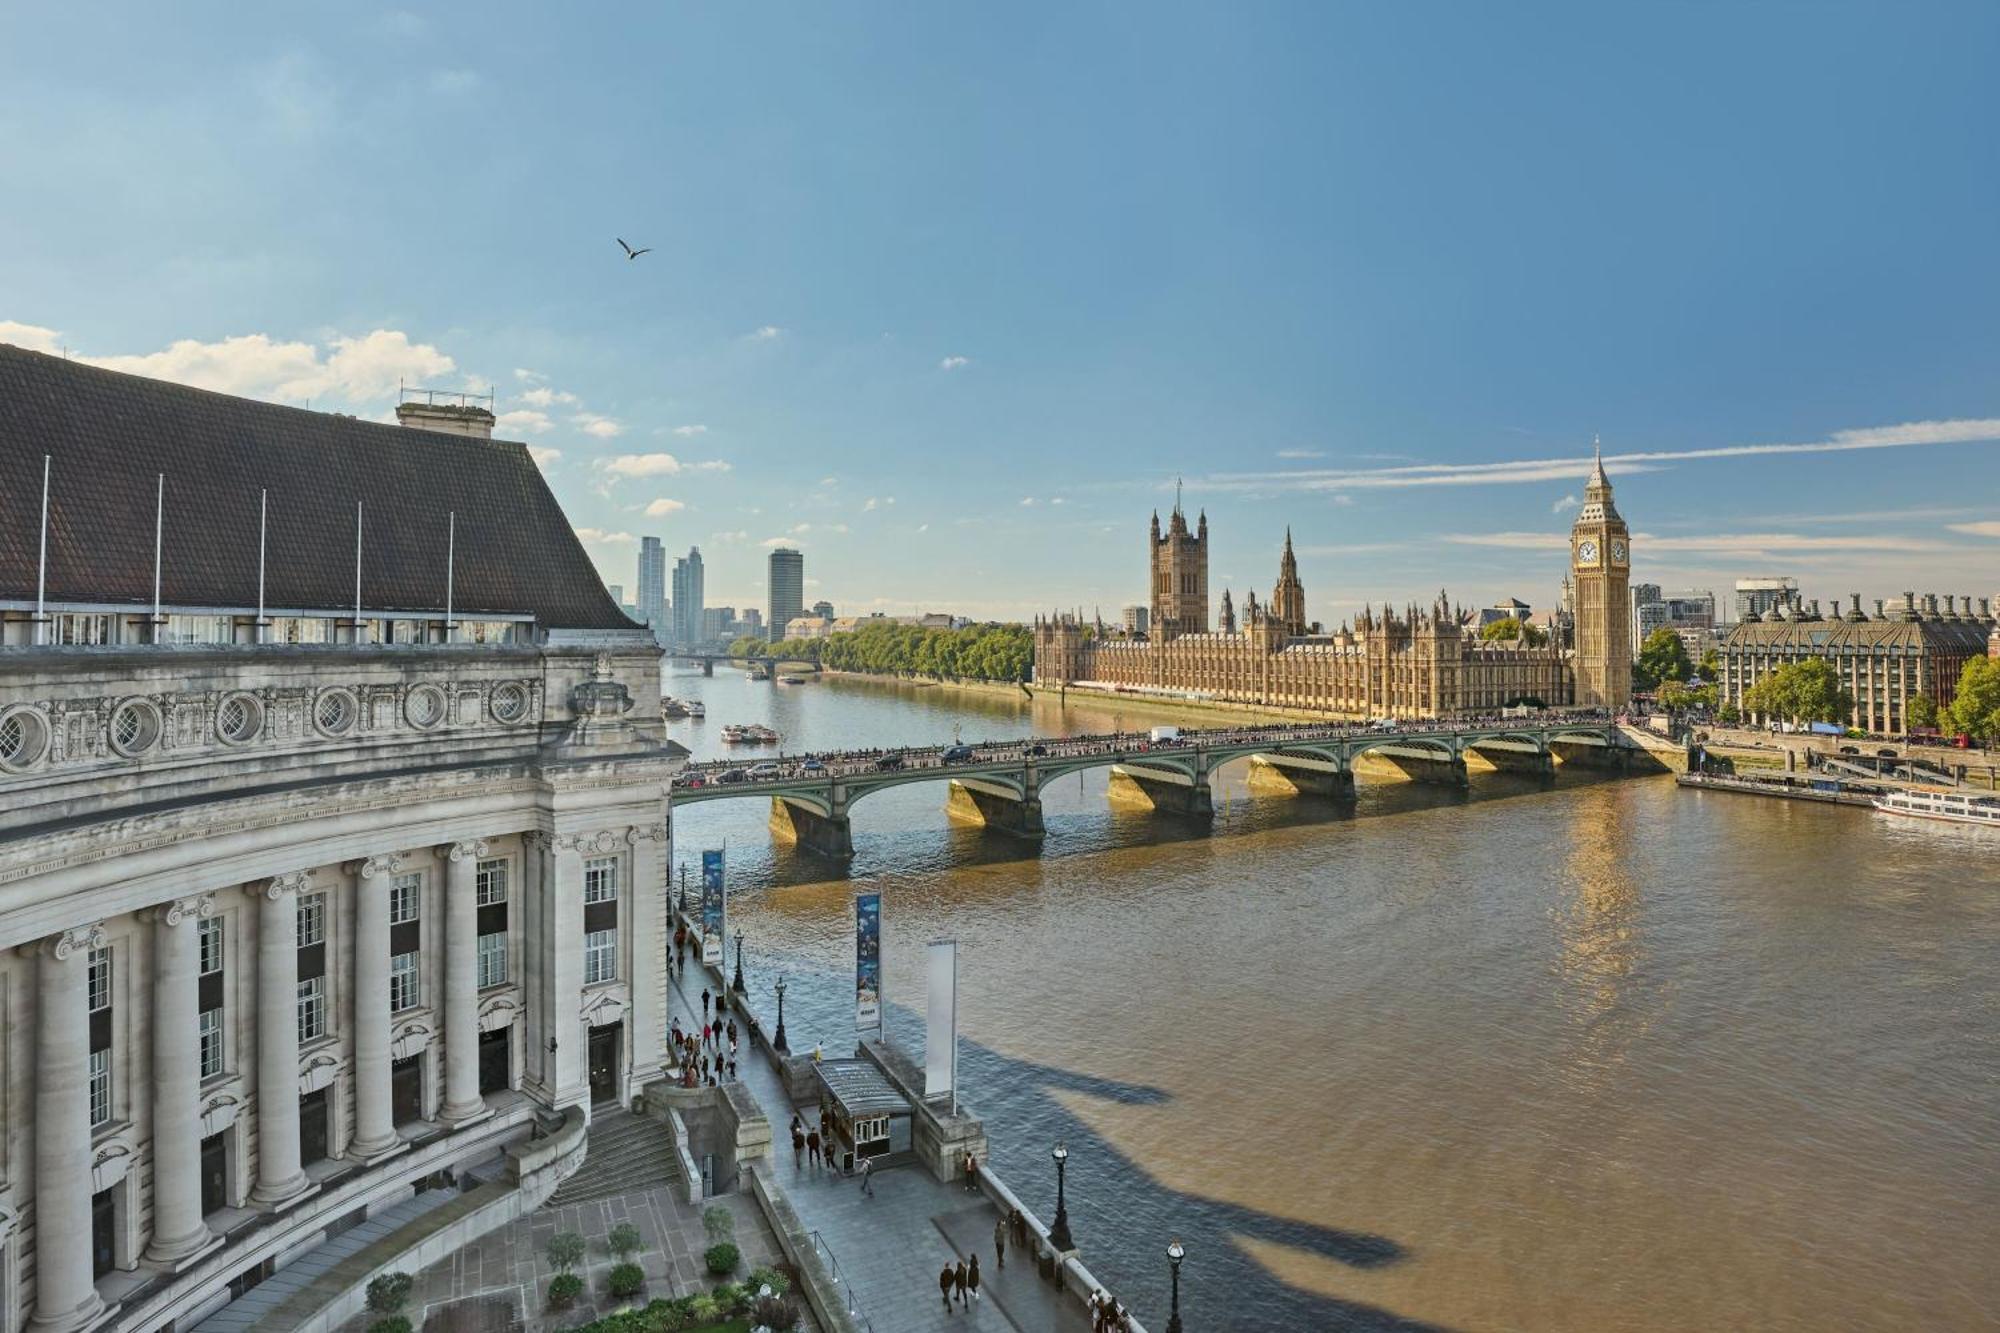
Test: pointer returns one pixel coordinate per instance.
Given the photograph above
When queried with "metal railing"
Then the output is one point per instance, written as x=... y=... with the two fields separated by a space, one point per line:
x=844 y=1286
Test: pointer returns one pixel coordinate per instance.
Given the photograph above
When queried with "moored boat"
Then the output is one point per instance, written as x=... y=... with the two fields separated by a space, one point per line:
x=1951 y=807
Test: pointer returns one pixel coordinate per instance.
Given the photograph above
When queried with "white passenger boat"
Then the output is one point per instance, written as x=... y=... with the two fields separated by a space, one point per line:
x=1938 y=803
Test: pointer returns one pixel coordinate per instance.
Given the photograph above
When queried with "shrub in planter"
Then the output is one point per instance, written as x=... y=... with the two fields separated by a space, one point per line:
x=775 y=1313
x=564 y=1288
x=566 y=1251
x=625 y=1281
x=388 y=1292
x=722 y=1259
x=719 y=1223
x=394 y=1323
x=769 y=1277
x=702 y=1310
x=624 y=1240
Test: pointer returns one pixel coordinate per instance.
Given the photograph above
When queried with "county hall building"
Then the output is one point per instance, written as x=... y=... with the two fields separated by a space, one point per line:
x=1416 y=662
x=333 y=835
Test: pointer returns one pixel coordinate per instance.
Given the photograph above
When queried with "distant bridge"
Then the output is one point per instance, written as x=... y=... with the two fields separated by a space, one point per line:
x=707 y=661
x=1000 y=785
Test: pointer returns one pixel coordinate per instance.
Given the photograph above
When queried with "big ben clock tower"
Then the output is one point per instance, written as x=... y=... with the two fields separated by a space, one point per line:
x=1600 y=557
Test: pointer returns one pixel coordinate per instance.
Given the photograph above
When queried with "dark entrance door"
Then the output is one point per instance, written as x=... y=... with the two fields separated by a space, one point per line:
x=496 y=1060
x=606 y=1044
x=406 y=1089
x=103 y=1232
x=312 y=1128
x=214 y=1172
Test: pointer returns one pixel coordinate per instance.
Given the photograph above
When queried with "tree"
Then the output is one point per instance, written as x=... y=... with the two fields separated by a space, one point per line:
x=1807 y=691
x=1975 y=710
x=1710 y=666
x=1508 y=628
x=1728 y=715
x=1923 y=711
x=1673 y=694
x=1662 y=657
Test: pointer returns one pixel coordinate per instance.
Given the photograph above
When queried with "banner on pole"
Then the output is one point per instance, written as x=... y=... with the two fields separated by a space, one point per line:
x=713 y=908
x=867 y=960
x=941 y=1030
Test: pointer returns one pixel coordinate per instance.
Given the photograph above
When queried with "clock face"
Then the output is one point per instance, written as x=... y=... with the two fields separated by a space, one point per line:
x=1618 y=552
x=1586 y=552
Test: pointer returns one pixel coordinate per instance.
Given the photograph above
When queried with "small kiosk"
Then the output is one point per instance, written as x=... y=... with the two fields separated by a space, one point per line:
x=862 y=1114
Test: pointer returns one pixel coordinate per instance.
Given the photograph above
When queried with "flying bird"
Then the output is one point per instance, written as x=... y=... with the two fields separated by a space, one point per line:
x=630 y=253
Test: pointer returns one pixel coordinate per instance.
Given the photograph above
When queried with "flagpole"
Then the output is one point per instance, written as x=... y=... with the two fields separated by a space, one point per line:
x=450 y=565
x=357 y=571
x=263 y=530
x=159 y=520
x=42 y=566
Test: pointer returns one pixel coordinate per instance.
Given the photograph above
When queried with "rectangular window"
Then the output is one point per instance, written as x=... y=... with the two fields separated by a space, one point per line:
x=492 y=960
x=209 y=939
x=312 y=919
x=100 y=1088
x=211 y=1042
x=600 y=879
x=312 y=1009
x=492 y=883
x=405 y=899
x=600 y=957
x=402 y=982
x=100 y=980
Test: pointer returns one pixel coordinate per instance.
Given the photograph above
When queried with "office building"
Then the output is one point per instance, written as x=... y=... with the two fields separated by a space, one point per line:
x=787 y=588
x=686 y=619
x=652 y=601
x=1756 y=598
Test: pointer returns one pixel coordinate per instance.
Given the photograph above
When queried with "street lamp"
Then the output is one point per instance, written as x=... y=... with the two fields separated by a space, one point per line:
x=1059 y=1238
x=778 y=1037
x=1174 y=1256
x=737 y=985
x=684 y=890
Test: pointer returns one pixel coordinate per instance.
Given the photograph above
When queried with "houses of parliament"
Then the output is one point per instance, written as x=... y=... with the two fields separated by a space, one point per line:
x=1419 y=662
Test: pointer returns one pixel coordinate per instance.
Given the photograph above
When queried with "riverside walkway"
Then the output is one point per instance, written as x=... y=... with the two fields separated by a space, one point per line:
x=886 y=1250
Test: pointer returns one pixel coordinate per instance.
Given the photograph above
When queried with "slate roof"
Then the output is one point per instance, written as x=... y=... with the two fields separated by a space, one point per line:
x=109 y=435
x=860 y=1088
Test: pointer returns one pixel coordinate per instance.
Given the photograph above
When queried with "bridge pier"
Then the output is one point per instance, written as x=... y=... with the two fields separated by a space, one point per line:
x=825 y=835
x=1605 y=758
x=1277 y=777
x=1163 y=792
x=1002 y=811
x=708 y=666
x=1437 y=770
x=1527 y=763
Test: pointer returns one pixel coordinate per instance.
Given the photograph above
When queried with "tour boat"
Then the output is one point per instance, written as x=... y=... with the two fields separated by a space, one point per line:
x=1935 y=803
x=740 y=733
x=671 y=708
x=695 y=708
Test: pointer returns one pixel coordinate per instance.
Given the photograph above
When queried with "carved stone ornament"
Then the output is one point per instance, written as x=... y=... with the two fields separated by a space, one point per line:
x=187 y=909
x=639 y=833
x=80 y=940
x=459 y=851
x=388 y=863
x=539 y=840
x=280 y=885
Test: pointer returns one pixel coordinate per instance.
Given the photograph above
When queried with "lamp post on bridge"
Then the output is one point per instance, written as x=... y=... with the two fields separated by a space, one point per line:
x=1174 y=1256
x=778 y=1037
x=737 y=985
x=1059 y=1237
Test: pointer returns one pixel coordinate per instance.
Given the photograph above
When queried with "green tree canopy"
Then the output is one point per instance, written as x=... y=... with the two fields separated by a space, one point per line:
x=1676 y=695
x=978 y=652
x=1923 y=711
x=1807 y=691
x=1509 y=628
x=1975 y=709
x=1662 y=657
x=1710 y=666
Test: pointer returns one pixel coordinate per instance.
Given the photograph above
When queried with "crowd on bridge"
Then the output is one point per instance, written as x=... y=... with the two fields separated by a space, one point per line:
x=849 y=763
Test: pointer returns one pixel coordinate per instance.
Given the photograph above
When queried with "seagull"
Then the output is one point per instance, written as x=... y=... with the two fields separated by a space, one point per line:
x=630 y=253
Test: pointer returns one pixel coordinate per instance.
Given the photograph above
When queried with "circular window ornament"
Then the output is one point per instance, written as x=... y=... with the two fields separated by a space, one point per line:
x=135 y=728
x=24 y=738
x=238 y=718
x=423 y=707
x=334 y=712
x=509 y=703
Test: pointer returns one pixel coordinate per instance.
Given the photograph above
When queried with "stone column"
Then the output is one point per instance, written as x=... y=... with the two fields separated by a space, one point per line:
x=178 y=1229
x=279 y=1177
x=652 y=941
x=562 y=978
x=462 y=1102
x=65 y=1293
x=375 y=1134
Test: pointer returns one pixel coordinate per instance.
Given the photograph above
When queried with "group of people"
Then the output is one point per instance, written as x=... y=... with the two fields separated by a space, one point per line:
x=809 y=1150
x=1106 y=1314
x=708 y=1057
x=959 y=1283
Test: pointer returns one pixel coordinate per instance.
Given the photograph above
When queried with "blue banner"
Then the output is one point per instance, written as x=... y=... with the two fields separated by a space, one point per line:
x=714 y=908
x=867 y=960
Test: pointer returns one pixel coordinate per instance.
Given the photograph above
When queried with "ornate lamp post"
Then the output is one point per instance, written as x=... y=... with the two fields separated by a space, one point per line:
x=737 y=985
x=1174 y=1256
x=778 y=1037
x=684 y=890
x=1059 y=1237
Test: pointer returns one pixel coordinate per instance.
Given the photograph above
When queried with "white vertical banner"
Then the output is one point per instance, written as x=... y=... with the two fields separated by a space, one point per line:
x=941 y=1032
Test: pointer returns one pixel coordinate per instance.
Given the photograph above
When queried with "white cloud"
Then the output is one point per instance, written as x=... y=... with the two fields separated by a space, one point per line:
x=1566 y=503
x=252 y=365
x=31 y=336
x=726 y=538
x=661 y=507
x=529 y=376
x=656 y=465
x=603 y=427
x=547 y=397
x=690 y=431
x=543 y=457
x=776 y=541
x=768 y=332
x=1027 y=502
x=955 y=363
x=923 y=527
x=1720 y=543
x=709 y=465
x=1302 y=453
x=1983 y=528
x=522 y=421
x=600 y=537
x=868 y=505
x=1058 y=500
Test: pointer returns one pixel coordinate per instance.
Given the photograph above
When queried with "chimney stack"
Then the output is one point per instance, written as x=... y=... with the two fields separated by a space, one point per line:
x=451 y=413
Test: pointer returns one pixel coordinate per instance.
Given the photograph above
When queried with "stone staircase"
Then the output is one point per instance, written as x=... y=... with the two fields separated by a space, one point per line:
x=624 y=1153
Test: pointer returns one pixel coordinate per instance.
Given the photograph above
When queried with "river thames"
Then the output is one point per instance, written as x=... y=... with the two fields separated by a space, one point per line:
x=1601 y=1055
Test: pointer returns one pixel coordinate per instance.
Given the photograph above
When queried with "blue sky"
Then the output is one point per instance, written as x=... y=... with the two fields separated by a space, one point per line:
x=948 y=295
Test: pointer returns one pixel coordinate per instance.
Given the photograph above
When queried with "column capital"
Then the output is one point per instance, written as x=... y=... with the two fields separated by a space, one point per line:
x=639 y=833
x=280 y=885
x=388 y=863
x=461 y=850
x=540 y=840
x=602 y=841
x=184 y=909
x=69 y=943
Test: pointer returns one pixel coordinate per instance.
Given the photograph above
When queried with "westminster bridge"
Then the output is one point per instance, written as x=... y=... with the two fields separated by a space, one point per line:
x=1000 y=784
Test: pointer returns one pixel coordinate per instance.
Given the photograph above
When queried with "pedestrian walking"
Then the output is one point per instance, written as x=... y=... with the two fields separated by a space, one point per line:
x=732 y=1034
x=798 y=1145
x=958 y=1282
x=972 y=1275
x=812 y=1148
x=1000 y=1243
x=704 y=1007
x=944 y=1286
x=867 y=1165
